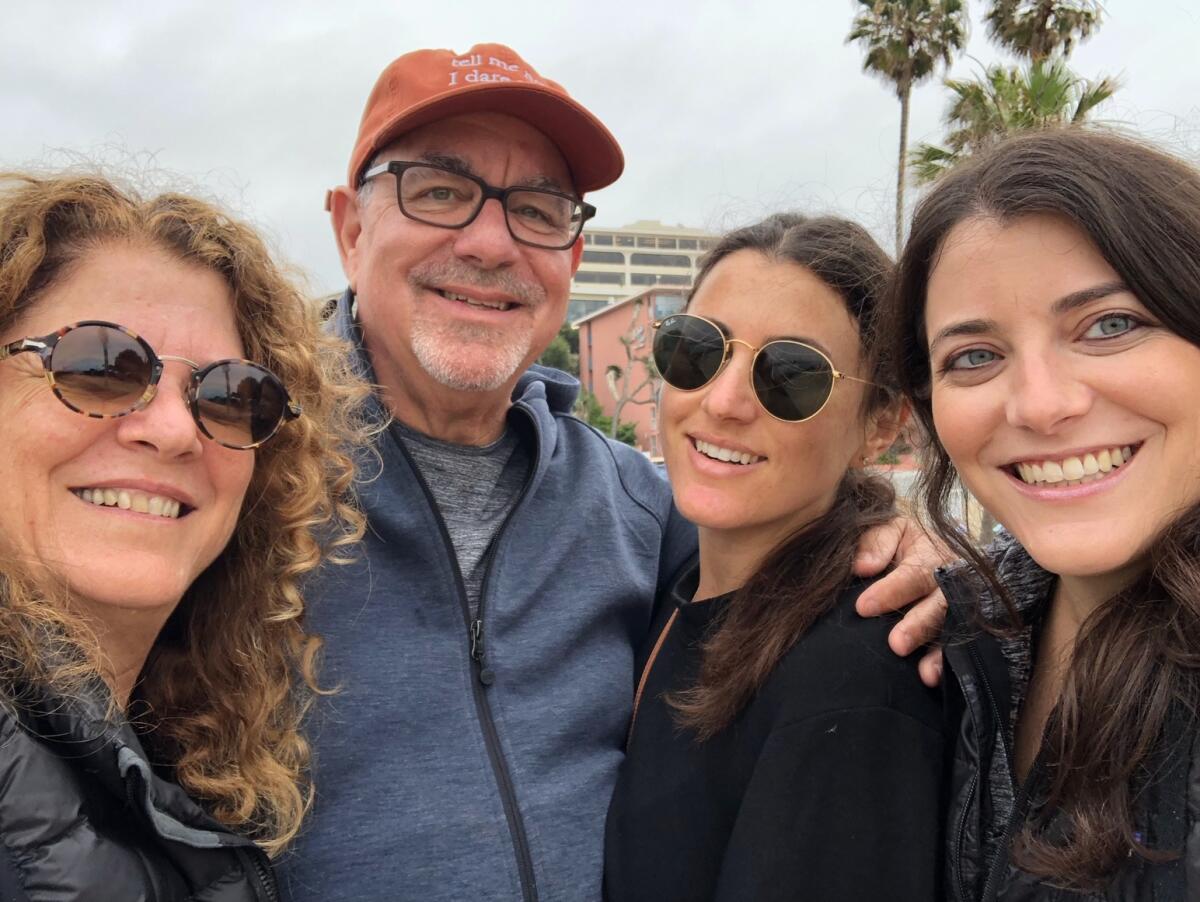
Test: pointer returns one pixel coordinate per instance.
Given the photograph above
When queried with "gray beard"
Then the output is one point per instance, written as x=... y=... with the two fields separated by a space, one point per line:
x=442 y=348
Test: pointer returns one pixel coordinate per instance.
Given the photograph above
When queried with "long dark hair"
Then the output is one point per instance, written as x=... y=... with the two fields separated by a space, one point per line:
x=802 y=578
x=1137 y=657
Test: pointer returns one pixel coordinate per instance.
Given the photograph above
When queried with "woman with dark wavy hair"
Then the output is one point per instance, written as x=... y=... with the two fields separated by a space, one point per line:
x=1048 y=323
x=779 y=750
x=174 y=431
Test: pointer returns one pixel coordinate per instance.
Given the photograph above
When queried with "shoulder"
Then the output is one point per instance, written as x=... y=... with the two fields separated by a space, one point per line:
x=844 y=663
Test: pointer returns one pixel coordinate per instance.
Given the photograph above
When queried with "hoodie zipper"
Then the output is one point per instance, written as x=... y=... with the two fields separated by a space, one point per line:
x=484 y=677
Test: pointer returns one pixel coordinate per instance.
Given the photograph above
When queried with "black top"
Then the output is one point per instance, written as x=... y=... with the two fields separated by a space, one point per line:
x=826 y=787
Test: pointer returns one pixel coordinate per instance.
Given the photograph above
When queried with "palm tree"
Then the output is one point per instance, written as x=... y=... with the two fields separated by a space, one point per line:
x=1009 y=99
x=1038 y=29
x=904 y=41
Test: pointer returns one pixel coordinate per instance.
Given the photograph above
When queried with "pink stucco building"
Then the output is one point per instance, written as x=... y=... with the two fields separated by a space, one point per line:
x=614 y=344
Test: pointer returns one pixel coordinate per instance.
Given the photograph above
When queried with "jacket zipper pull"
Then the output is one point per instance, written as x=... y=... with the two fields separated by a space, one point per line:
x=485 y=673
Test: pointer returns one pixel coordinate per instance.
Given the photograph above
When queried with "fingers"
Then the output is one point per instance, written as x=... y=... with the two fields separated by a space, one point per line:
x=930 y=667
x=877 y=547
x=922 y=625
x=900 y=588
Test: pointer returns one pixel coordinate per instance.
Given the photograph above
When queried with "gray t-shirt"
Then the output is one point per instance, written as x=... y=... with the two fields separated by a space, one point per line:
x=475 y=489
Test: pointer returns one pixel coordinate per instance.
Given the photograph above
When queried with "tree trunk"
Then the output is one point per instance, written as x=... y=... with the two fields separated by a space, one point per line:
x=905 y=93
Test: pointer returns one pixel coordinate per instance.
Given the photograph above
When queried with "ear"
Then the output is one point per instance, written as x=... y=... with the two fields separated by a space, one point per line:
x=882 y=428
x=347 y=229
x=576 y=254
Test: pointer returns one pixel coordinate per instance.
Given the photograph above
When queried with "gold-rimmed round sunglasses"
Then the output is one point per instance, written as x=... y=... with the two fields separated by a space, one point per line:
x=792 y=381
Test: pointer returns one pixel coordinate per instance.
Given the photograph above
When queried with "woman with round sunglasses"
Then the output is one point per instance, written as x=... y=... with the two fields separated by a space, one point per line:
x=778 y=750
x=173 y=429
x=1049 y=337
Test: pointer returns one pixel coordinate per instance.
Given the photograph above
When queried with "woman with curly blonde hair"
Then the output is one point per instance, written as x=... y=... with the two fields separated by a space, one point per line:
x=175 y=432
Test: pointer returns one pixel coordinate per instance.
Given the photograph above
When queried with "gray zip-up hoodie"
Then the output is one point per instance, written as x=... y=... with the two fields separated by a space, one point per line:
x=444 y=774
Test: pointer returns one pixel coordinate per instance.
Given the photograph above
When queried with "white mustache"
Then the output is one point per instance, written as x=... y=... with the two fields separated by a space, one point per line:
x=462 y=275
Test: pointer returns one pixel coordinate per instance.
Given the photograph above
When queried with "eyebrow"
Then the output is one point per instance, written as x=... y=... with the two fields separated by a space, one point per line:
x=802 y=339
x=1065 y=304
x=458 y=164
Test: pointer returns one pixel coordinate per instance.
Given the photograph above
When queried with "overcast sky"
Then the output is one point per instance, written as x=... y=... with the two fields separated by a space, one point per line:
x=724 y=114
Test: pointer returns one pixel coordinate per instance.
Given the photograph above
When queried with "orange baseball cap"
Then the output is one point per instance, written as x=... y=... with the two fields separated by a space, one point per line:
x=427 y=85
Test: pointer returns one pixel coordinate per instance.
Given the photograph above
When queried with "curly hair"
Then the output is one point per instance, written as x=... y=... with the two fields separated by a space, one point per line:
x=223 y=692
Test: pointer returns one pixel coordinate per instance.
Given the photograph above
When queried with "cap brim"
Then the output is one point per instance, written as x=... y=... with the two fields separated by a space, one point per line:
x=591 y=152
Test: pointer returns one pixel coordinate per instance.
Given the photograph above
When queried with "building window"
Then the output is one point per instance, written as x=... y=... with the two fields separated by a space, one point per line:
x=706 y=244
x=602 y=239
x=624 y=241
x=643 y=278
x=675 y=280
x=643 y=241
x=666 y=242
x=587 y=239
x=604 y=257
x=607 y=278
x=687 y=244
x=661 y=260
x=667 y=304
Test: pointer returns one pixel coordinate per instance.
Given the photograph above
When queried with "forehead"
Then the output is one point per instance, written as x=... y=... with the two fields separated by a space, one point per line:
x=1035 y=259
x=489 y=143
x=759 y=299
x=158 y=296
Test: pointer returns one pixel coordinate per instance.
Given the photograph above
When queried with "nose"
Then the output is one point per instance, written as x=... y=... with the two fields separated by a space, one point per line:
x=164 y=426
x=1045 y=394
x=729 y=396
x=486 y=240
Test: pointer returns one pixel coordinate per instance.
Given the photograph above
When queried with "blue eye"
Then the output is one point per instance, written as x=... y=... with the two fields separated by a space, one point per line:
x=1111 y=325
x=972 y=359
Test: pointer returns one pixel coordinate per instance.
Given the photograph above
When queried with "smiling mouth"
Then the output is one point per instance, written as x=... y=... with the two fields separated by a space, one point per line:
x=138 y=502
x=501 y=306
x=725 y=455
x=1075 y=470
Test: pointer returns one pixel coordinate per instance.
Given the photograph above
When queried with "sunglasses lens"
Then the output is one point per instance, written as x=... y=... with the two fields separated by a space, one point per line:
x=100 y=370
x=792 y=380
x=240 y=404
x=688 y=351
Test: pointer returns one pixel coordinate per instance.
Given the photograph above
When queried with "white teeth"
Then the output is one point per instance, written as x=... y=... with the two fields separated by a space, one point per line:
x=1074 y=470
x=128 y=499
x=725 y=454
x=472 y=302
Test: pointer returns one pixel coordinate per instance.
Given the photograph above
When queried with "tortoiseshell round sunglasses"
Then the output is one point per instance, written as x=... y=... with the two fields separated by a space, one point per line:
x=101 y=369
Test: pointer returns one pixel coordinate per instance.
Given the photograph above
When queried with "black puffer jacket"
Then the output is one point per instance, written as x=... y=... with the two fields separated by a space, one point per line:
x=985 y=683
x=83 y=817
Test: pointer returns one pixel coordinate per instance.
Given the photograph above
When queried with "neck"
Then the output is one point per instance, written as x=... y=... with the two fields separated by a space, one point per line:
x=419 y=401
x=125 y=637
x=1076 y=597
x=729 y=557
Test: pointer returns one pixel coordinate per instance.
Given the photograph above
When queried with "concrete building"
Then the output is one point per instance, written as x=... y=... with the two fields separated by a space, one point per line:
x=621 y=262
x=621 y=336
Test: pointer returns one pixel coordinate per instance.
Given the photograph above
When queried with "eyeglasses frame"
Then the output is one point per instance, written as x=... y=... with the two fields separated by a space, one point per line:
x=44 y=347
x=727 y=355
x=489 y=192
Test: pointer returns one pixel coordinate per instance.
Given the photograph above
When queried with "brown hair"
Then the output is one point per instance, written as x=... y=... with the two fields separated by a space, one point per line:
x=800 y=579
x=225 y=686
x=1138 y=655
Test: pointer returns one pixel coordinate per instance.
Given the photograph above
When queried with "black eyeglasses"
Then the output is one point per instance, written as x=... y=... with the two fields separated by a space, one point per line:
x=103 y=370
x=791 y=380
x=448 y=199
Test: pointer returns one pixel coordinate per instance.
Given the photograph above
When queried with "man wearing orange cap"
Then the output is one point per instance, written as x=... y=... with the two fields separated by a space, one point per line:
x=484 y=642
